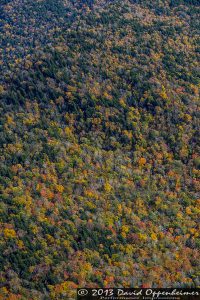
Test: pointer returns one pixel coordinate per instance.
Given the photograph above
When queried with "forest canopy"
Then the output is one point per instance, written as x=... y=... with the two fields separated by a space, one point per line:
x=99 y=133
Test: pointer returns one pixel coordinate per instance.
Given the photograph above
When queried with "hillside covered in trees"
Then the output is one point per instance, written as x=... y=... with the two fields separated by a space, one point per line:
x=99 y=134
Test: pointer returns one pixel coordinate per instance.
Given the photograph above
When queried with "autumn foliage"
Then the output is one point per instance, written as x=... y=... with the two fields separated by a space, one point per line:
x=99 y=159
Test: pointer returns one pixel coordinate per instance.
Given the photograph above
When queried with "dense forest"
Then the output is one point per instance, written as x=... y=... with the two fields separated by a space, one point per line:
x=99 y=134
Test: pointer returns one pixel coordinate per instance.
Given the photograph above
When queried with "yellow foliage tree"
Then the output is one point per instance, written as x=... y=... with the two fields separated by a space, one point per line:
x=9 y=233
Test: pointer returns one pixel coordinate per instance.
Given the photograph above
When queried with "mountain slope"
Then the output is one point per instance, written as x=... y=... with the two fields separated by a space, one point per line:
x=100 y=146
